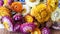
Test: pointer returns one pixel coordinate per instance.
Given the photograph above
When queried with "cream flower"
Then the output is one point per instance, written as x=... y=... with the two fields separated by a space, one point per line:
x=26 y=10
x=32 y=3
x=55 y=16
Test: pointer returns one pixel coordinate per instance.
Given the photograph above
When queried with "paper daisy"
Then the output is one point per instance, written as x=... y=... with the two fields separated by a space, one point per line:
x=40 y=13
x=32 y=3
x=55 y=16
x=4 y=11
x=36 y=31
x=52 y=4
x=26 y=10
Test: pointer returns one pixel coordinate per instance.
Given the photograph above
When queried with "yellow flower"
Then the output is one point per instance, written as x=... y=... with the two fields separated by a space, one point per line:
x=40 y=12
x=52 y=4
x=4 y=11
x=36 y=31
x=29 y=18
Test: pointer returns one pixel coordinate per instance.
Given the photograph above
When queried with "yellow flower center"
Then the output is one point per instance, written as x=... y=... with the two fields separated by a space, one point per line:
x=36 y=32
x=6 y=25
x=32 y=0
x=43 y=14
x=24 y=10
x=29 y=19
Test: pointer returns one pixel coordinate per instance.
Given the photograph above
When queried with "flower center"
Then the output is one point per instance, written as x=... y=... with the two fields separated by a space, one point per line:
x=32 y=0
x=43 y=14
x=56 y=14
x=24 y=10
x=35 y=32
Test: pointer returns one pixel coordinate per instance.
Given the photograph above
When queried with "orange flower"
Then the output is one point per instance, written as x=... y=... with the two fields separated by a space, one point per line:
x=16 y=6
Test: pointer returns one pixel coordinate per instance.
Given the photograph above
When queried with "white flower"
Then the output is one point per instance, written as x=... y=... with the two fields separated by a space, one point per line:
x=26 y=10
x=56 y=27
x=56 y=15
x=31 y=4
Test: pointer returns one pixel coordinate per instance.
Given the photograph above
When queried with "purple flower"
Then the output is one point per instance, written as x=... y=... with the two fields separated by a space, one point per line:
x=45 y=30
x=10 y=1
x=7 y=21
x=26 y=27
x=1 y=3
x=18 y=18
x=17 y=28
